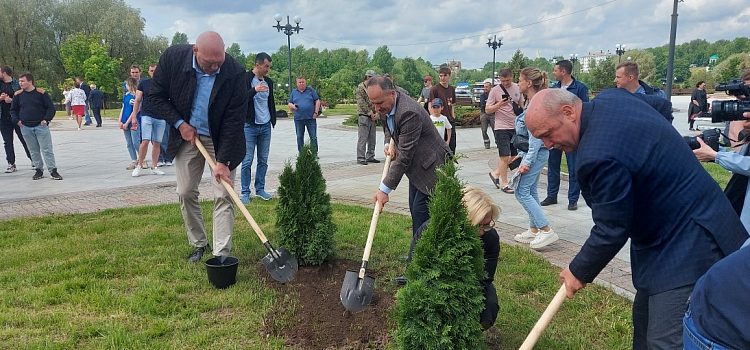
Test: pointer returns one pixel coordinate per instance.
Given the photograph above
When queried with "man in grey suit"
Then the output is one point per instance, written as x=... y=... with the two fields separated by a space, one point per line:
x=418 y=150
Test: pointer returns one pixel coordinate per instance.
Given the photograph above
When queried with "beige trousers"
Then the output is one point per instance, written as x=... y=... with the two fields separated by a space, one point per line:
x=189 y=164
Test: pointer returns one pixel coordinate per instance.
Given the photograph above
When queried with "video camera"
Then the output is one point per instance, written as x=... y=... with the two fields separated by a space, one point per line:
x=710 y=136
x=730 y=110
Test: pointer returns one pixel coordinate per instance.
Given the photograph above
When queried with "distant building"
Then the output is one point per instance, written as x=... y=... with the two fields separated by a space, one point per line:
x=713 y=59
x=455 y=66
x=594 y=58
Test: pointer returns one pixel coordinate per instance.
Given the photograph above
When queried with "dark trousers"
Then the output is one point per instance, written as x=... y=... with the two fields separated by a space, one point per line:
x=553 y=175
x=452 y=144
x=7 y=128
x=418 y=202
x=97 y=115
x=657 y=319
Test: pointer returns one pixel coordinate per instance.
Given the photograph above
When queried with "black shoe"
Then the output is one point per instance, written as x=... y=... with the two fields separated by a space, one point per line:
x=362 y=162
x=401 y=280
x=99 y=126
x=54 y=175
x=548 y=201
x=38 y=175
x=373 y=161
x=691 y=129
x=487 y=144
x=573 y=206
x=86 y=124
x=198 y=253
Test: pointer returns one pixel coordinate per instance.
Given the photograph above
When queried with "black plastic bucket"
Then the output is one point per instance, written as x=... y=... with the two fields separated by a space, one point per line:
x=222 y=275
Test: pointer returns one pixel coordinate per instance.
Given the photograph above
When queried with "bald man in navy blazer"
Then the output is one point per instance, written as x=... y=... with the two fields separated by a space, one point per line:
x=642 y=183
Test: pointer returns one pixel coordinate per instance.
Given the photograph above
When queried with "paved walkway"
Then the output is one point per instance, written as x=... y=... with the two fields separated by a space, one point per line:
x=92 y=163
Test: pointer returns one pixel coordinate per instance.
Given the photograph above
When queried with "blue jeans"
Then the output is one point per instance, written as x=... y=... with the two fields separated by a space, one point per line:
x=260 y=136
x=553 y=175
x=694 y=340
x=133 y=140
x=86 y=114
x=163 y=157
x=526 y=194
x=312 y=130
x=39 y=141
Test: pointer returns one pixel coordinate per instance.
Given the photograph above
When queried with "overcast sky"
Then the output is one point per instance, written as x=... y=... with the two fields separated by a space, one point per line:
x=438 y=30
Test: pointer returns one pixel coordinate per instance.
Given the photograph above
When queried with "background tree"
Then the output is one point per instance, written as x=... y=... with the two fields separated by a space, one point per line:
x=646 y=66
x=603 y=75
x=179 y=38
x=235 y=51
x=732 y=67
x=439 y=308
x=383 y=59
x=304 y=216
x=517 y=63
x=700 y=74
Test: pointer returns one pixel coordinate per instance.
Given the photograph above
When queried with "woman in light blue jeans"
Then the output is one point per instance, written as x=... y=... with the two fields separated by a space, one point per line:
x=530 y=81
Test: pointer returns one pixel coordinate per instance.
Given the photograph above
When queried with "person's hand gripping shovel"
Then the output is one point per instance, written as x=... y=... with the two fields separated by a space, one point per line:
x=356 y=292
x=279 y=262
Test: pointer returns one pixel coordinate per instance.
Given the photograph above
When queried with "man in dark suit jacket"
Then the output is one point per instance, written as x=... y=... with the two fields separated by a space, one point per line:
x=96 y=102
x=642 y=182
x=418 y=149
x=202 y=92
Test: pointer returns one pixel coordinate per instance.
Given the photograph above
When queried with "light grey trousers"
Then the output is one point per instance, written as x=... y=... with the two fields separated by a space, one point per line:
x=189 y=164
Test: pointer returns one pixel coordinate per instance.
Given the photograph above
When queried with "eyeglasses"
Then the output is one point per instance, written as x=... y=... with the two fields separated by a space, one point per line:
x=487 y=227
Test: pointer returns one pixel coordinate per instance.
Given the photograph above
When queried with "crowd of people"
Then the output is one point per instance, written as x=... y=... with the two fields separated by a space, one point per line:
x=691 y=247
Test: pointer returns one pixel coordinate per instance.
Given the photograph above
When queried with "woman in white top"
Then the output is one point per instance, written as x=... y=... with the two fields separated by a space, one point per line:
x=77 y=99
x=66 y=101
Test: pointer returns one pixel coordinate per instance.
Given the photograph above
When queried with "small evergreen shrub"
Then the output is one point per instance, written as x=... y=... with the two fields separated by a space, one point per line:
x=303 y=215
x=439 y=308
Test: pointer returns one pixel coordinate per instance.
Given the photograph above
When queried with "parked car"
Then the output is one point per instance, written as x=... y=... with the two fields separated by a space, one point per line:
x=464 y=96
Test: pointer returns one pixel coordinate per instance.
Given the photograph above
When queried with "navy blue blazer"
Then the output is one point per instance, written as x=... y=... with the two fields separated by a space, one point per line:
x=642 y=182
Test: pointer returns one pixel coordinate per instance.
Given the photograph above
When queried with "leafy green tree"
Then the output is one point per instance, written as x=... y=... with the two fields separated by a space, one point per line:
x=235 y=51
x=179 y=38
x=517 y=63
x=646 y=66
x=85 y=56
x=439 y=308
x=700 y=74
x=101 y=69
x=603 y=75
x=304 y=216
x=383 y=59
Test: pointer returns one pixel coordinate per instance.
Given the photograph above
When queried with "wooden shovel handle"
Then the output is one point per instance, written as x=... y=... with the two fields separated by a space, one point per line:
x=544 y=321
x=233 y=194
x=375 y=214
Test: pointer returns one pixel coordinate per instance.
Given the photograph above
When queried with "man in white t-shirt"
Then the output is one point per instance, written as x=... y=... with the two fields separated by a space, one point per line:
x=499 y=103
x=440 y=121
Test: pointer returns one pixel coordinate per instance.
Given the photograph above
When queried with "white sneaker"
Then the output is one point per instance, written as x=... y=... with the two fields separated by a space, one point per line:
x=11 y=168
x=79 y=128
x=544 y=239
x=168 y=163
x=159 y=164
x=136 y=171
x=525 y=237
x=156 y=171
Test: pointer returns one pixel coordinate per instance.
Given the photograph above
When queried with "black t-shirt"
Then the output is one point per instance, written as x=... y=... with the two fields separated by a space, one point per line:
x=146 y=108
x=5 y=107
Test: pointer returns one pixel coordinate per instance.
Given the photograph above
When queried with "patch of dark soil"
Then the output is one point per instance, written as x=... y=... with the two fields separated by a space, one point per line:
x=310 y=314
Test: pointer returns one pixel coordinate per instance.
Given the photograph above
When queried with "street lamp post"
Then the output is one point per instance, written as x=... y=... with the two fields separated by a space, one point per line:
x=620 y=49
x=494 y=42
x=573 y=60
x=288 y=30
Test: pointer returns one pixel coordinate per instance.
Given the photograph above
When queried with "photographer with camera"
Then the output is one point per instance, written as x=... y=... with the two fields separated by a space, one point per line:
x=737 y=163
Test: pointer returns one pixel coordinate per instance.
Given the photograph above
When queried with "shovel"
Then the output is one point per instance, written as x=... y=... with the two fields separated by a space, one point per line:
x=356 y=292
x=279 y=262
x=544 y=321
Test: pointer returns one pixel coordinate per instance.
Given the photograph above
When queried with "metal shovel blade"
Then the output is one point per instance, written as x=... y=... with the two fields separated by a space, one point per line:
x=280 y=264
x=356 y=293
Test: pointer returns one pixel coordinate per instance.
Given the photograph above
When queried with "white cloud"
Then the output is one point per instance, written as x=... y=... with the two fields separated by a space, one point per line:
x=426 y=27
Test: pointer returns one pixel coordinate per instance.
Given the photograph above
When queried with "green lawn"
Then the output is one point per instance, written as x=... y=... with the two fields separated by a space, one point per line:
x=117 y=279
